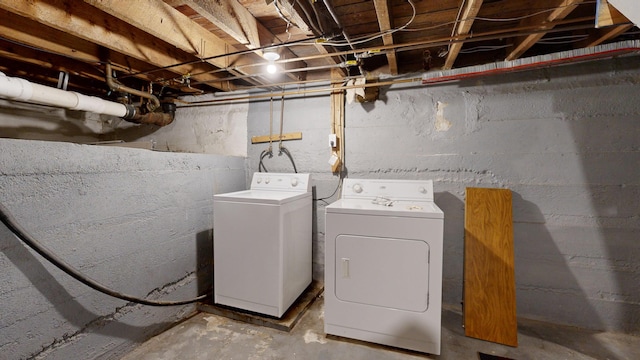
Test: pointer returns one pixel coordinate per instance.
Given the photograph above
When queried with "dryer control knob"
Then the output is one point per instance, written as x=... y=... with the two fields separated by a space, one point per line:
x=357 y=188
x=294 y=182
x=422 y=190
x=259 y=180
x=267 y=180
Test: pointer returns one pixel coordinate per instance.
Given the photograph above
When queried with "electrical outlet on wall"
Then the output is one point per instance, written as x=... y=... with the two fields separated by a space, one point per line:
x=333 y=140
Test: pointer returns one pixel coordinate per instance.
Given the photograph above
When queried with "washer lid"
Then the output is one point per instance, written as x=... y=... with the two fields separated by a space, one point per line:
x=381 y=207
x=261 y=196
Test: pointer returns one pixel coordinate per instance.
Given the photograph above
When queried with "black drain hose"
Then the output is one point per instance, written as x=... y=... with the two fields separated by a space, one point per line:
x=23 y=235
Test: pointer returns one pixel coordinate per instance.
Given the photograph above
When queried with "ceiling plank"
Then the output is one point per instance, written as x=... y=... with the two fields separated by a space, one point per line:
x=168 y=24
x=599 y=36
x=89 y=23
x=291 y=14
x=71 y=51
x=384 y=22
x=469 y=13
x=229 y=16
x=562 y=9
x=235 y=20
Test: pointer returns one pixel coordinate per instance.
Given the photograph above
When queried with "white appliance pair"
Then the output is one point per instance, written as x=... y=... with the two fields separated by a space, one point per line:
x=383 y=256
x=383 y=264
x=262 y=243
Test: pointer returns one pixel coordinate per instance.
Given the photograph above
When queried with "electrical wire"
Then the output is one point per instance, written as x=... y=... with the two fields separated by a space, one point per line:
x=365 y=39
x=235 y=53
x=275 y=3
x=323 y=199
x=492 y=19
x=309 y=18
x=559 y=40
x=7 y=219
x=483 y=48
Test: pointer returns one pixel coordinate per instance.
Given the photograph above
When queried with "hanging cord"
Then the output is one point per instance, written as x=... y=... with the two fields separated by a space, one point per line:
x=23 y=235
x=269 y=151
x=281 y=148
x=271 y=126
x=324 y=199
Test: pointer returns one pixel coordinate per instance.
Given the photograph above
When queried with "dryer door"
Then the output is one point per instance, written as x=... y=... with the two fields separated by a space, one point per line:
x=386 y=272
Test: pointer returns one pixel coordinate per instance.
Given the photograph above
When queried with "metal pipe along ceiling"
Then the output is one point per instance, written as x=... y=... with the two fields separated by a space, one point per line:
x=588 y=54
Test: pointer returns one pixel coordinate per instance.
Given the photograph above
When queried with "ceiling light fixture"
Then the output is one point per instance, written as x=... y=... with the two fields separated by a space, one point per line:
x=271 y=56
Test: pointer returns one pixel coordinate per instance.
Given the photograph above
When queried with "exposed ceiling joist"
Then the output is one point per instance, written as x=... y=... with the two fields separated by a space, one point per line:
x=384 y=21
x=228 y=15
x=471 y=9
x=110 y=34
x=600 y=36
x=171 y=26
x=172 y=47
x=562 y=9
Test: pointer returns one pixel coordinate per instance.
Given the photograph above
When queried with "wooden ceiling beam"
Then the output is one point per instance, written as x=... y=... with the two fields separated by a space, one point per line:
x=599 y=36
x=171 y=26
x=38 y=42
x=562 y=9
x=469 y=13
x=237 y=22
x=290 y=13
x=229 y=16
x=88 y=23
x=385 y=24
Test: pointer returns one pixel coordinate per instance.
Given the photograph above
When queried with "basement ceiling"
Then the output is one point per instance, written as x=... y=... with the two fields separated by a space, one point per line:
x=177 y=47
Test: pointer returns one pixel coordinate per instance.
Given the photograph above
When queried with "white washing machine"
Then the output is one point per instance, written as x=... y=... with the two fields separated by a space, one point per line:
x=383 y=264
x=262 y=243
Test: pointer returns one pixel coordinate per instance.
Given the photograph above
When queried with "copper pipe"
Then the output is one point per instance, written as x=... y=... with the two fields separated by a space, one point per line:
x=113 y=85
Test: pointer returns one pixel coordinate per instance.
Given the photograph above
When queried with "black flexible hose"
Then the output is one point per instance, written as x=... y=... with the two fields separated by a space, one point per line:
x=286 y=152
x=261 y=165
x=23 y=235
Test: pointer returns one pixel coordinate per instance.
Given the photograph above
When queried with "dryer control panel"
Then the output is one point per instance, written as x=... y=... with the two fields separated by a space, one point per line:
x=281 y=182
x=405 y=190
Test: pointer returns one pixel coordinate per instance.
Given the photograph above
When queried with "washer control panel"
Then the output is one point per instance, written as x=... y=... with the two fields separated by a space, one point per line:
x=281 y=181
x=416 y=190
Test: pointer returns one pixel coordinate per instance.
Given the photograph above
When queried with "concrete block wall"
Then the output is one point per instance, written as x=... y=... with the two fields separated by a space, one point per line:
x=220 y=129
x=135 y=220
x=564 y=140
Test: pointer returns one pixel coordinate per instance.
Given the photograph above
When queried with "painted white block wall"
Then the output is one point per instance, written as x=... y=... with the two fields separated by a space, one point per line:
x=564 y=140
x=220 y=129
x=136 y=220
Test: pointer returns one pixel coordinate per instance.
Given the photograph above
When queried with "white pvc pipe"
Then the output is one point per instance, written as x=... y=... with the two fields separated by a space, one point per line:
x=23 y=90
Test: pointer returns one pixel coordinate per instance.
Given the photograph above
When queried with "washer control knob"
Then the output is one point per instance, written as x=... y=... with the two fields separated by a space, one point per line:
x=267 y=180
x=357 y=188
x=294 y=182
x=422 y=190
x=259 y=180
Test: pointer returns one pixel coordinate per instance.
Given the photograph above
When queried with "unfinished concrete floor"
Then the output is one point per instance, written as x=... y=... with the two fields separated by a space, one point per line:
x=208 y=336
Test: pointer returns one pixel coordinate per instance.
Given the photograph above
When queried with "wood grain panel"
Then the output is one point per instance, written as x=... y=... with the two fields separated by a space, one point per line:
x=489 y=280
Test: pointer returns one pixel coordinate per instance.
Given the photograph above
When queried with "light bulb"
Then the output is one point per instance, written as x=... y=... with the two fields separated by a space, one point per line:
x=271 y=68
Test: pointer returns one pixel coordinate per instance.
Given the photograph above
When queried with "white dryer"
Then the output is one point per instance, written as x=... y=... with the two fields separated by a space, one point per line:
x=383 y=264
x=262 y=243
